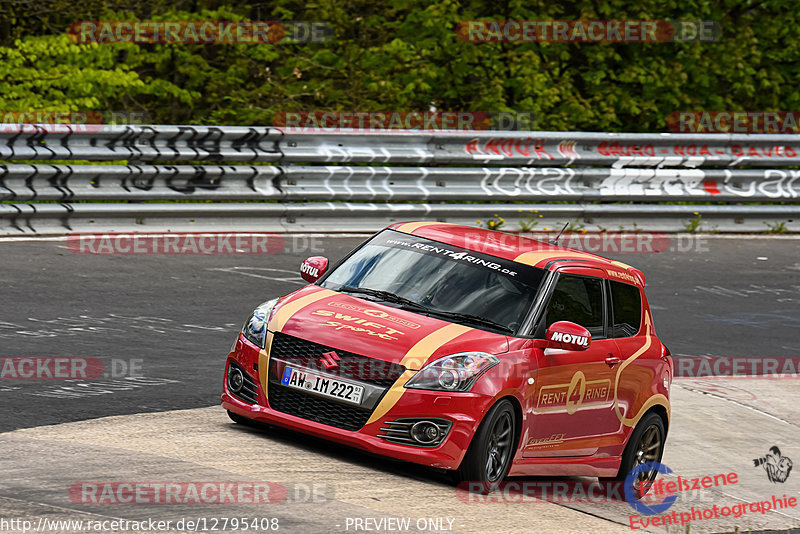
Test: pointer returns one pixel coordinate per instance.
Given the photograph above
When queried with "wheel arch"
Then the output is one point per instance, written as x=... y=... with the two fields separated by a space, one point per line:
x=661 y=411
x=517 y=407
x=517 y=415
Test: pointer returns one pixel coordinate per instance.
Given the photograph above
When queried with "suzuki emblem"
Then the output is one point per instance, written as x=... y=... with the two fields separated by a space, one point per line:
x=330 y=360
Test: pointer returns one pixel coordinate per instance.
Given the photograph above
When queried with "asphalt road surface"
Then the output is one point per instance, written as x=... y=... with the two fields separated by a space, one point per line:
x=162 y=324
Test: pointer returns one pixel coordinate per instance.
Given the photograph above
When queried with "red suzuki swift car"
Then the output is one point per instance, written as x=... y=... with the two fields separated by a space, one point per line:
x=471 y=350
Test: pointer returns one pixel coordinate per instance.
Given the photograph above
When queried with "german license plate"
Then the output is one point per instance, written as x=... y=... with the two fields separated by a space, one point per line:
x=322 y=385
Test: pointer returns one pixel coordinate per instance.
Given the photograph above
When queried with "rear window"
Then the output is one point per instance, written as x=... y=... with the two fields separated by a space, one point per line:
x=627 y=309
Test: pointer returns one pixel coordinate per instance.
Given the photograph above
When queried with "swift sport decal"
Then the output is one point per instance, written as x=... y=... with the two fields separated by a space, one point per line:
x=372 y=323
x=377 y=314
x=357 y=325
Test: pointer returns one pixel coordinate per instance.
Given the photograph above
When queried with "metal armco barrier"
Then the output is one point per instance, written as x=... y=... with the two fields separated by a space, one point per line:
x=363 y=180
x=368 y=183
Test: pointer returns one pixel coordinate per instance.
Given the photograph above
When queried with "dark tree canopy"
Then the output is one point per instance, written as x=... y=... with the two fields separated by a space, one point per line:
x=402 y=55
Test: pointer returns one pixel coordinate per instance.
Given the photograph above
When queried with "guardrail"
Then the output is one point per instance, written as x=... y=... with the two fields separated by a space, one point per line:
x=362 y=180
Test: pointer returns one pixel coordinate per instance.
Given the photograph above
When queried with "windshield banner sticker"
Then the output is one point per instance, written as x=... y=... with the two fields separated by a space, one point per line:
x=471 y=257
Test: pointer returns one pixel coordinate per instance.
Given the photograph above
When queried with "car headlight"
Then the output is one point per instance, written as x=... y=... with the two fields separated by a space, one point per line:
x=255 y=328
x=456 y=372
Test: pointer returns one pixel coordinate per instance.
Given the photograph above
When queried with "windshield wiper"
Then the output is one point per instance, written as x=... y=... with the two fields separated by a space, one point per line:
x=388 y=296
x=469 y=318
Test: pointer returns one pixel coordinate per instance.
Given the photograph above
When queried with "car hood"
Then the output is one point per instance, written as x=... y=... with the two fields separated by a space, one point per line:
x=371 y=329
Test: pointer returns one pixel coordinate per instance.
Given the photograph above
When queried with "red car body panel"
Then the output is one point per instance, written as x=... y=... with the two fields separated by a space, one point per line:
x=576 y=409
x=373 y=328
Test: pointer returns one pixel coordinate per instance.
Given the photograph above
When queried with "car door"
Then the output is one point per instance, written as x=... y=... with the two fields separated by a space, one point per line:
x=571 y=412
x=641 y=366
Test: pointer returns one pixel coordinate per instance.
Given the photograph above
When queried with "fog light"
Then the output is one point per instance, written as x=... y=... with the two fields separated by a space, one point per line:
x=425 y=432
x=235 y=379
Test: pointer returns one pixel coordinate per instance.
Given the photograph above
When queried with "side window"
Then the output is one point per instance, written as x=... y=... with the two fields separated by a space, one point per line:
x=578 y=299
x=627 y=309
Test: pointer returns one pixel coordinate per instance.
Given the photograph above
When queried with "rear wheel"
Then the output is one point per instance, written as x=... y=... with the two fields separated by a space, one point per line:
x=646 y=445
x=489 y=456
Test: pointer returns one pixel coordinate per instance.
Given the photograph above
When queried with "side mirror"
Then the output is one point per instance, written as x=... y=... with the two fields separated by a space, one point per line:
x=568 y=336
x=312 y=268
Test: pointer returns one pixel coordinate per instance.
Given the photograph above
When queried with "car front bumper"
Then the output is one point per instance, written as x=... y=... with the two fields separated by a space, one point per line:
x=463 y=411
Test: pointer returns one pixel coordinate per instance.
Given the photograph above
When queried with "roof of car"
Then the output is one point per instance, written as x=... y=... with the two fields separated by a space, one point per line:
x=513 y=247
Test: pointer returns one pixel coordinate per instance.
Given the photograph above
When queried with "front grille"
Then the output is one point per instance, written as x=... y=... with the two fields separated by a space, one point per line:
x=317 y=409
x=249 y=390
x=301 y=353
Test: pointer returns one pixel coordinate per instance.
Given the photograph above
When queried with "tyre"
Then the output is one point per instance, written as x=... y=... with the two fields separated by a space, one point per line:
x=489 y=456
x=645 y=445
x=240 y=419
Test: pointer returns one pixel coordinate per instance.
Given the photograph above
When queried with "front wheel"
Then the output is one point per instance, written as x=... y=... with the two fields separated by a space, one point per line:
x=242 y=420
x=646 y=445
x=489 y=456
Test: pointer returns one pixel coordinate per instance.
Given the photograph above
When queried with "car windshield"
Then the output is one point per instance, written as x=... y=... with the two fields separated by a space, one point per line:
x=439 y=280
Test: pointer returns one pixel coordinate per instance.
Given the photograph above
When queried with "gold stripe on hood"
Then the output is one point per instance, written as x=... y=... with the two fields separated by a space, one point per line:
x=416 y=358
x=277 y=323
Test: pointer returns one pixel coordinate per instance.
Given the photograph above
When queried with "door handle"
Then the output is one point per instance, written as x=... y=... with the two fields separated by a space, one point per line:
x=611 y=361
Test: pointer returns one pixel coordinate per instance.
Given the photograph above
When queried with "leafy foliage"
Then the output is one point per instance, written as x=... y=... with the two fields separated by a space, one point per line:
x=403 y=55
